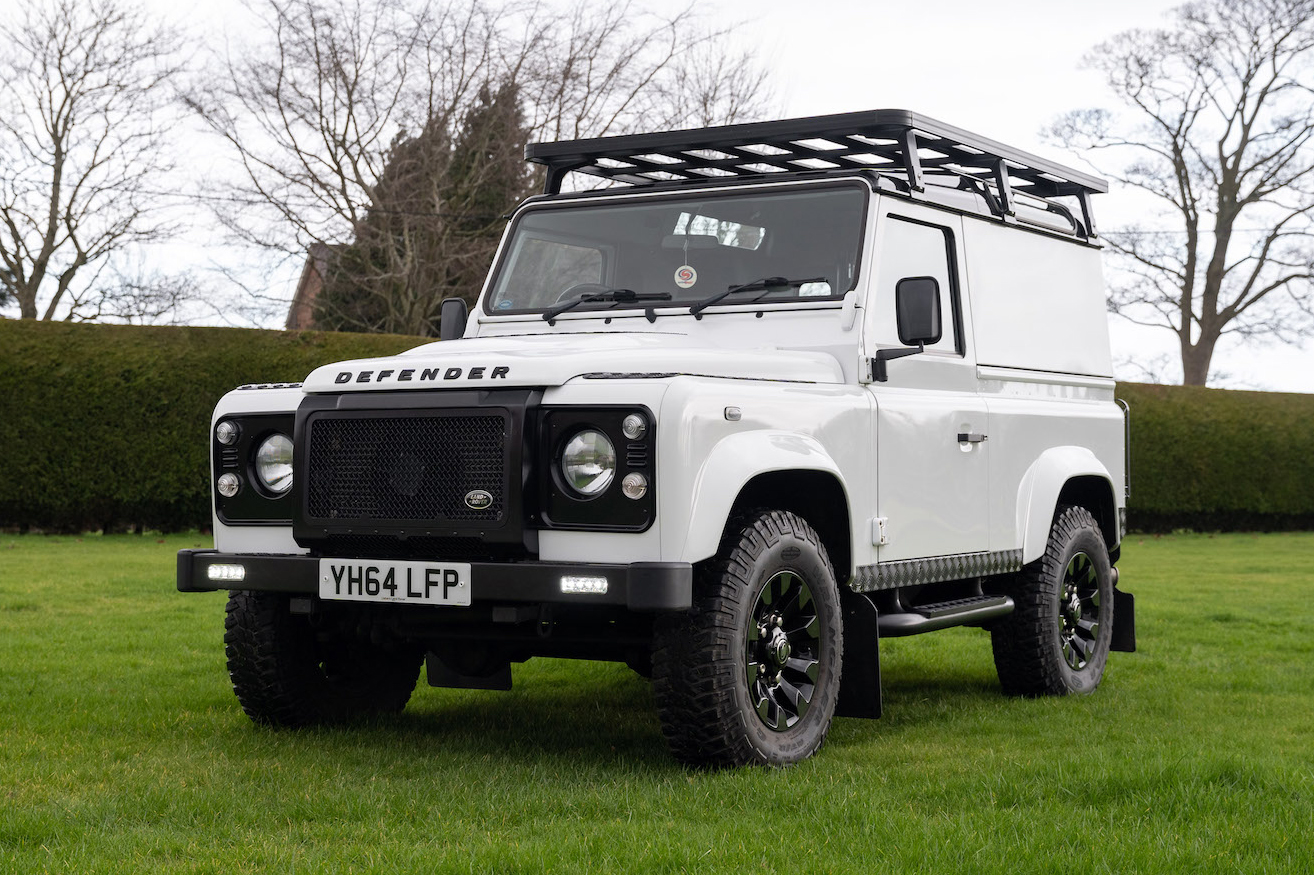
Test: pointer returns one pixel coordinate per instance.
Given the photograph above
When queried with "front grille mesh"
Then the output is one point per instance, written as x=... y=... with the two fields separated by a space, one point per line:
x=412 y=468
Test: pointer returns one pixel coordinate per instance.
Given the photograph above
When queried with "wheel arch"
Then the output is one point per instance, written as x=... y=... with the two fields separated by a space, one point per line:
x=1064 y=475
x=776 y=470
x=811 y=494
x=1094 y=493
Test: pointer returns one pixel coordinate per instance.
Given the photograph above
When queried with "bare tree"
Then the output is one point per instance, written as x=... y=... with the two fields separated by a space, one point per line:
x=1218 y=133
x=340 y=100
x=433 y=224
x=82 y=103
x=592 y=71
x=710 y=86
x=136 y=294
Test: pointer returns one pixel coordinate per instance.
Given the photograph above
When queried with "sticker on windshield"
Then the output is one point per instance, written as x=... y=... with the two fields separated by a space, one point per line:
x=685 y=276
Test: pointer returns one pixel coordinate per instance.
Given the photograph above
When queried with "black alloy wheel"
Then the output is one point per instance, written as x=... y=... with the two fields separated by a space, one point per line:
x=1079 y=612
x=782 y=651
x=1056 y=642
x=751 y=675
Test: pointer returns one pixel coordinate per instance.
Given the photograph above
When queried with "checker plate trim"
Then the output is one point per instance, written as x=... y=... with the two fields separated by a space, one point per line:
x=934 y=569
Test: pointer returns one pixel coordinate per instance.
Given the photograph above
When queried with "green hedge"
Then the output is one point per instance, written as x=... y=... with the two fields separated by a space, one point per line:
x=1214 y=459
x=104 y=426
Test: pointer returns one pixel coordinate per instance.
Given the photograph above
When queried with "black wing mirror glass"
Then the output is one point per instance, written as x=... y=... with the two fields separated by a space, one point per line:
x=917 y=307
x=452 y=315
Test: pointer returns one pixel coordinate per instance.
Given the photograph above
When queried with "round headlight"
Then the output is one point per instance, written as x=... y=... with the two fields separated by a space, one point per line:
x=588 y=463
x=226 y=432
x=274 y=463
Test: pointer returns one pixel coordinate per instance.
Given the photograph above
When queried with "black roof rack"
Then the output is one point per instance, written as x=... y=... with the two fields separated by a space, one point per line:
x=882 y=140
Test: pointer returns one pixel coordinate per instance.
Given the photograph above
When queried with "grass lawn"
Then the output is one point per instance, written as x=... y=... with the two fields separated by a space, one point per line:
x=122 y=747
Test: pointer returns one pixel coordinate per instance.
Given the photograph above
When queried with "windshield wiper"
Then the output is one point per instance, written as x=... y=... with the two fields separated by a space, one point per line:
x=765 y=285
x=620 y=296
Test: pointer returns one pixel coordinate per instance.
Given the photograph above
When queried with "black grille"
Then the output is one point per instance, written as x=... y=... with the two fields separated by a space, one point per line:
x=407 y=468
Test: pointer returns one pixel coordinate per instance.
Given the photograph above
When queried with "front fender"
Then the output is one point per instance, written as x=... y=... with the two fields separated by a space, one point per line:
x=732 y=463
x=1038 y=494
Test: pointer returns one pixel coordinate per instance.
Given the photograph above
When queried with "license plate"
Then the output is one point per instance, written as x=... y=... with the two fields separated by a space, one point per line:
x=373 y=580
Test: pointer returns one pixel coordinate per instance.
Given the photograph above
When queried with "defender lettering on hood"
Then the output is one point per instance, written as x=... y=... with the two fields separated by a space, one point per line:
x=407 y=375
x=554 y=360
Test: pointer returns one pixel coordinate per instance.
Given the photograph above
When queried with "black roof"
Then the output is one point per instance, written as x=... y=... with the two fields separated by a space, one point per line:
x=895 y=140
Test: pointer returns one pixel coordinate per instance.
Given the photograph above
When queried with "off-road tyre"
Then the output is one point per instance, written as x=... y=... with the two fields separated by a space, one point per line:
x=706 y=662
x=286 y=673
x=1040 y=649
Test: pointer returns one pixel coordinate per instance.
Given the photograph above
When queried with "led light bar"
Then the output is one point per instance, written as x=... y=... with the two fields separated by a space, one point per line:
x=226 y=573
x=583 y=585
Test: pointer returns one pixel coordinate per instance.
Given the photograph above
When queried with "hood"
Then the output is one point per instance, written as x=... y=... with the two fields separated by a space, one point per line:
x=553 y=359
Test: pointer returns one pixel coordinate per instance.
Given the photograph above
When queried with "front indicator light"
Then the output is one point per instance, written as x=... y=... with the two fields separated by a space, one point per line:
x=634 y=427
x=634 y=486
x=228 y=484
x=226 y=573
x=584 y=585
x=226 y=432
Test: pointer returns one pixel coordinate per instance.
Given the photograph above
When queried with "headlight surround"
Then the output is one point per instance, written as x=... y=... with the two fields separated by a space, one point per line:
x=273 y=463
x=588 y=462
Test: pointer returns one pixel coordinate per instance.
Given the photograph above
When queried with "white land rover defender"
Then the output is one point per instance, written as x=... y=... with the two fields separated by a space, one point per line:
x=781 y=391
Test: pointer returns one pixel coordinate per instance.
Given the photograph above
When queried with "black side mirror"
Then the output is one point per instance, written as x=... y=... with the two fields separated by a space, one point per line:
x=452 y=315
x=917 y=306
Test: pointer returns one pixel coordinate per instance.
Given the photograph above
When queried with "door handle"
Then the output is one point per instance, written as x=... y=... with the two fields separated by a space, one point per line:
x=972 y=438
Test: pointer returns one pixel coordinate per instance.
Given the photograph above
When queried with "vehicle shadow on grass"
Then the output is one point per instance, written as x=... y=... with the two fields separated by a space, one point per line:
x=958 y=684
x=922 y=699
x=607 y=715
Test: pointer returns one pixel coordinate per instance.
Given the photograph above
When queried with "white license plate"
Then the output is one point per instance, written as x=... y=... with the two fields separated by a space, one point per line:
x=374 y=580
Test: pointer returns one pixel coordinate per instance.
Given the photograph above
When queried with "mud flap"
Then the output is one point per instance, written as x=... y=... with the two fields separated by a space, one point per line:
x=1124 y=622
x=860 y=680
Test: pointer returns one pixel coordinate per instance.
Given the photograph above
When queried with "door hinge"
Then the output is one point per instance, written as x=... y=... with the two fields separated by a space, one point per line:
x=880 y=535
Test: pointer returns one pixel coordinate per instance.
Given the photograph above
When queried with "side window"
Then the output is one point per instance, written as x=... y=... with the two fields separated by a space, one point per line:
x=913 y=249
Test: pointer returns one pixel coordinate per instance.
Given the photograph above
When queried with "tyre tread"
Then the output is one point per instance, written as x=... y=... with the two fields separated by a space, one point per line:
x=694 y=656
x=275 y=679
x=1021 y=641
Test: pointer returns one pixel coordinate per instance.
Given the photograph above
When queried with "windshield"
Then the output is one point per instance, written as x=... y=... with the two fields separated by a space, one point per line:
x=690 y=247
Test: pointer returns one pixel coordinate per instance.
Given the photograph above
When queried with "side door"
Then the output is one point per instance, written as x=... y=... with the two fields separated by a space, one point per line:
x=932 y=452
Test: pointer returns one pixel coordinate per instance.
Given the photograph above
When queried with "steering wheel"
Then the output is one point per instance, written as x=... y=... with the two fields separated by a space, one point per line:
x=580 y=289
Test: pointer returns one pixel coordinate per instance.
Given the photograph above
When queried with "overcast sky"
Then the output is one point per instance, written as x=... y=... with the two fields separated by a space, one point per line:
x=1002 y=68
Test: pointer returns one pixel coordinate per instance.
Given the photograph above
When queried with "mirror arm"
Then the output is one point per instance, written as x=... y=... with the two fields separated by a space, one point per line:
x=878 y=370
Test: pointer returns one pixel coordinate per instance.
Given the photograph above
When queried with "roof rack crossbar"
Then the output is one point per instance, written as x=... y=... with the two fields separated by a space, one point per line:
x=883 y=140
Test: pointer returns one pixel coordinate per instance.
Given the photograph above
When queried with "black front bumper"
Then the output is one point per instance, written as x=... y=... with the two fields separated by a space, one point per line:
x=639 y=586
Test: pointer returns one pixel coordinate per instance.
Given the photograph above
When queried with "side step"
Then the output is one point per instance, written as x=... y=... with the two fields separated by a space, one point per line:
x=942 y=615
